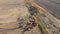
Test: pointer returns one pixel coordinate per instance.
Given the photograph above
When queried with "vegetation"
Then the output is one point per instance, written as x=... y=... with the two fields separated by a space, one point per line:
x=42 y=27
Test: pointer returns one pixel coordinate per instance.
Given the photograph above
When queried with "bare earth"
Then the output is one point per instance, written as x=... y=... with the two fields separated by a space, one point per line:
x=10 y=10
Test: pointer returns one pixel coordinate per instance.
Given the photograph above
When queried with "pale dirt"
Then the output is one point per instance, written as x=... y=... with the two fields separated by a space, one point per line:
x=10 y=10
x=19 y=31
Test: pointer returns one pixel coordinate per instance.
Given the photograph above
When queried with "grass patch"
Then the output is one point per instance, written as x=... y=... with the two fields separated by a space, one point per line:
x=42 y=27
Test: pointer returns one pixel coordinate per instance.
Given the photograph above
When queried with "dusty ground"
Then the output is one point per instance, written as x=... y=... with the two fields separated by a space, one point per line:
x=10 y=10
x=19 y=31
